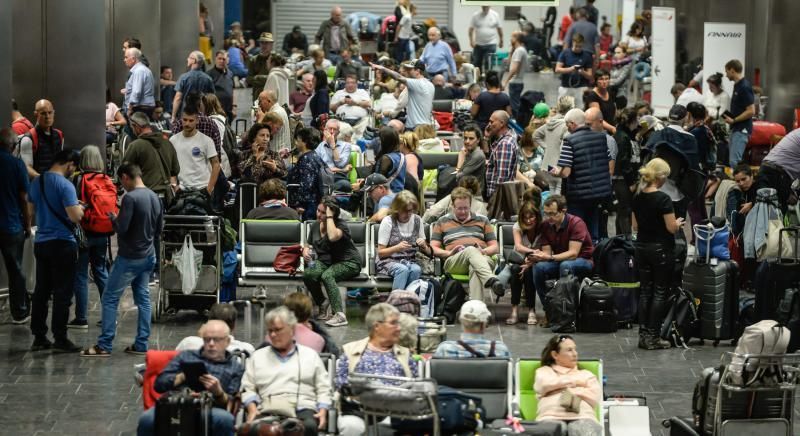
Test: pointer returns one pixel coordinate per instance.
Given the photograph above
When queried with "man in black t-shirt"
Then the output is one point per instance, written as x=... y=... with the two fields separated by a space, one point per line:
x=741 y=112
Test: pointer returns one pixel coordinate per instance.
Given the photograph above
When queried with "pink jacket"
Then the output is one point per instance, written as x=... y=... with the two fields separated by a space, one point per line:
x=552 y=380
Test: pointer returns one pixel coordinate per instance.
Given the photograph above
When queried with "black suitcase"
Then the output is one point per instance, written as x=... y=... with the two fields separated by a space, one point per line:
x=773 y=277
x=181 y=414
x=615 y=263
x=453 y=297
x=596 y=308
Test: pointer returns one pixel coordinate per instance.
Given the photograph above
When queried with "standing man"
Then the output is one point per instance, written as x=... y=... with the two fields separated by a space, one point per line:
x=19 y=124
x=140 y=219
x=258 y=65
x=502 y=164
x=15 y=224
x=222 y=78
x=167 y=88
x=586 y=164
x=420 y=92
x=585 y=28
x=575 y=67
x=194 y=80
x=298 y=99
x=295 y=42
x=742 y=108
x=140 y=85
x=335 y=35
x=336 y=155
x=485 y=35
x=592 y=14
x=58 y=213
x=197 y=157
x=347 y=66
x=438 y=56
x=39 y=146
x=516 y=72
x=155 y=157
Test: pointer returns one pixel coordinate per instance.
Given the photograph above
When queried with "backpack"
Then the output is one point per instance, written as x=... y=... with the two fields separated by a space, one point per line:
x=453 y=297
x=429 y=292
x=561 y=305
x=405 y=301
x=597 y=311
x=34 y=135
x=763 y=337
x=100 y=195
x=682 y=322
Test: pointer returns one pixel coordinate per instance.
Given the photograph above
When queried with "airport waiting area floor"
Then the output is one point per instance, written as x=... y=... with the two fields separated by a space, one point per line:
x=44 y=393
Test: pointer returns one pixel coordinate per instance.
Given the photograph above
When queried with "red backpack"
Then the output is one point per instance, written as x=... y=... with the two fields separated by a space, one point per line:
x=100 y=195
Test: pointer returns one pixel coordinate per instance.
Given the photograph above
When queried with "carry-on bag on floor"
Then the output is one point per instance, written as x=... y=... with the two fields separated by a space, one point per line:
x=716 y=284
x=596 y=313
x=561 y=305
x=615 y=263
x=773 y=277
x=453 y=297
x=182 y=414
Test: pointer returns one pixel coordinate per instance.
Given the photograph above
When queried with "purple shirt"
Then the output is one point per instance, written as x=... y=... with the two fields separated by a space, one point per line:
x=571 y=229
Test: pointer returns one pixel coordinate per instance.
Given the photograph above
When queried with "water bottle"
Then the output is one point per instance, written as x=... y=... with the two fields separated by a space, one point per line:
x=313 y=255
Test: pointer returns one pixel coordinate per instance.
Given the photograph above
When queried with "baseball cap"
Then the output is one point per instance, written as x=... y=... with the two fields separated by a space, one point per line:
x=541 y=110
x=375 y=180
x=678 y=112
x=266 y=37
x=415 y=64
x=296 y=29
x=475 y=311
x=236 y=23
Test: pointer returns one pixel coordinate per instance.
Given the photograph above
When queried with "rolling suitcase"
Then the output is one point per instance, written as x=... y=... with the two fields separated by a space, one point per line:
x=716 y=284
x=773 y=277
x=615 y=263
x=596 y=308
x=181 y=414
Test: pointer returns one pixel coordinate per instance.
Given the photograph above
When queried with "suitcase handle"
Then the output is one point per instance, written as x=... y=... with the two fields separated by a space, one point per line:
x=795 y=258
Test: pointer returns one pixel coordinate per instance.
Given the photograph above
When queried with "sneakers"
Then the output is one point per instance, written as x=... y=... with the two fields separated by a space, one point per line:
x=497 y=287
x=324 y=312
x=22 y=320
x=65 y=346
x=337 y=320
x=41 y=344
x=78 y=324
x=659 y=343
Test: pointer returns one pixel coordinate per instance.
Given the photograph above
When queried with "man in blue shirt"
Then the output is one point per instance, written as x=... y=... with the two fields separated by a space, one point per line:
x=377 y=187
x=742 y=109
x=58 y=212
x=15 y=224
x=575 y=67
x=336 y=155
x=193 y=80
x=474 y=318
x=140 y=85
x=438 y=56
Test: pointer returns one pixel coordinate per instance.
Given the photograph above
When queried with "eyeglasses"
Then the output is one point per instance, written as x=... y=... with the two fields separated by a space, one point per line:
x=216 y=340
x=394 y=322
x=563 y=338
x=551 y=214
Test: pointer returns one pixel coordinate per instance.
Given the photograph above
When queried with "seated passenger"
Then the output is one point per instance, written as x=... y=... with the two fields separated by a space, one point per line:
x=272 y=203
x=389 y=161
x=220 y=312
x=559 y=377
x=336 y=155
x=306 y=332
x=467 y=242
x=330 y=256
x=378 y=354
x=351 y=103
x=428 y=142
x=305 y=173
x=526 y=233
x=286 y=379
x=445 y=205
x=409 y=326
x=566 y=246
x=222 y=381
x=261 y=163
x=399 y=237
x=474 y=318
x=377 y=187
x=471 y=160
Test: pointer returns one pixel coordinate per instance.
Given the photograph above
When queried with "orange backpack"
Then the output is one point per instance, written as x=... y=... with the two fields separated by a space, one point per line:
x=100 y=195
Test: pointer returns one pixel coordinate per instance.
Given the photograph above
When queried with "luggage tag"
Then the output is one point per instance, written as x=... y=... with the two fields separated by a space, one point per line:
x=714 y=261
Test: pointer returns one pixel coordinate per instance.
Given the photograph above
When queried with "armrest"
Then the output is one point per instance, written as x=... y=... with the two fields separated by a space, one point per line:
x=437 y=267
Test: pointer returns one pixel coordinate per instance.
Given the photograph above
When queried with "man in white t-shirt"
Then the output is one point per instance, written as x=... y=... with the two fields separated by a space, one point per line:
x=485 y=35
x=350 y=105
x=519 y=65
x=197 y=155
x=420 y=92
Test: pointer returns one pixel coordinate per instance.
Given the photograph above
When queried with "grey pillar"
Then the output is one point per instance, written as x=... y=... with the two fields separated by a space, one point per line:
x=126 y=19
x=216 y=11
x=5 y=67
x=179 y=32
x=28 y=54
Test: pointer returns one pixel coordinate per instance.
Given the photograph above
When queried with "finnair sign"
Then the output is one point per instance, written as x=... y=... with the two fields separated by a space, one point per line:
x=725 y=35
x=722 y=43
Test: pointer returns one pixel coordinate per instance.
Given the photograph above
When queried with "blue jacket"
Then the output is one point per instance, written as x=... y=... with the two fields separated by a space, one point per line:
x=589 y=178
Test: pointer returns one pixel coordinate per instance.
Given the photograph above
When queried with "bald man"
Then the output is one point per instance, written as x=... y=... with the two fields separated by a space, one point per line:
x=502 y=165
x=438 y=56
x=268 y=102
x=38 y=147
x=594 y=119
x=222 y=380
x=335 y=35
x=299 y=98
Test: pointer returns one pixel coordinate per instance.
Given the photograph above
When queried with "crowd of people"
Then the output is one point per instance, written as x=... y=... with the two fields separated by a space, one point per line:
x=592 y=155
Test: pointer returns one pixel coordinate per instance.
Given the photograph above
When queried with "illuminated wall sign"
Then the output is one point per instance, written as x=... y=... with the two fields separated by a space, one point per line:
x=509 y=2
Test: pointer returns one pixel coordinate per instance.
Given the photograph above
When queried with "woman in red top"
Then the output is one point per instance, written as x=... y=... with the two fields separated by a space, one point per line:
x=566 y=21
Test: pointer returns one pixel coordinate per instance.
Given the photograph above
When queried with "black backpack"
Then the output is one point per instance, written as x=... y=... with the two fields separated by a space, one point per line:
x=453 y=297
x=597 y=311
x=562 y=304
x=682 y=322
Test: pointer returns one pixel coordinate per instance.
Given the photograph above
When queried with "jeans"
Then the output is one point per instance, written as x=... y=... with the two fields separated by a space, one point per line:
x=401 y=49
x=514 y=94
x=589 y=212
x=403 y=273
x=736 y=146
x=321 y=274
x=221 y=422
x=770 y=176
x=480 y=56
x=11 y=247
x=55 y=274
x=341 y=183
x=94 y=255
x=124 y=272
x=654 y=262
x=544 y=271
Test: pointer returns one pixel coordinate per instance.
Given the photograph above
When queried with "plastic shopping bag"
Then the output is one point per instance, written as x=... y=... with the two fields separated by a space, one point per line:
x=188 y=261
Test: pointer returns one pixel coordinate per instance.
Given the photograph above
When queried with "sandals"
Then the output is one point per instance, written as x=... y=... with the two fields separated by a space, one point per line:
x=512 y=319
x=130 y=349
x=95 y=351
x=532 y=318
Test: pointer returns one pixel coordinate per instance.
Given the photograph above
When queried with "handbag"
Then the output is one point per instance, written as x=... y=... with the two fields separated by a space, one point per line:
x=288 y=259
x=77 y=231
x=188 y=260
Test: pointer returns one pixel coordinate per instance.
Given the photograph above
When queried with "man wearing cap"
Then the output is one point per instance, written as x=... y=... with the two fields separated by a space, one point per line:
x=419 y=89
x=335 y=35
x=258 y=65
x=377 y=187
x=438 y=56
x=467 y=243
x=550 y=136
x=295 y=42
x=474 y=318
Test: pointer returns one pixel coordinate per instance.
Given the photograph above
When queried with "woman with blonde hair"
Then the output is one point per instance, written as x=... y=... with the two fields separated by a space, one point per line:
x=654 y=220
x=428 y=142
x=399 y=237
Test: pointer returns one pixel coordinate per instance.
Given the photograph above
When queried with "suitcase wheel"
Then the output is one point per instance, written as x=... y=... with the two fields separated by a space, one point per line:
x=716 y=342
